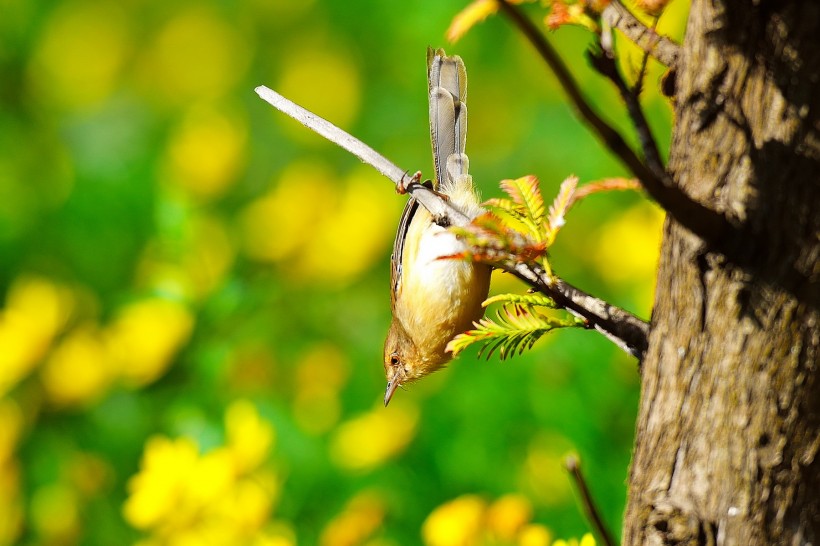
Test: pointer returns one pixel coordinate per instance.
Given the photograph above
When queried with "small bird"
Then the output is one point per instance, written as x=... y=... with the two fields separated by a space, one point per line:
x=435 y=299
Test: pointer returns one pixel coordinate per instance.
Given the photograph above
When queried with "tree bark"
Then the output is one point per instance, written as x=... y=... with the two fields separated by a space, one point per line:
x=728 y=429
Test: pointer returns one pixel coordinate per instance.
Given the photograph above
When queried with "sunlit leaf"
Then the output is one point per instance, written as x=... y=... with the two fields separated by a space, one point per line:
x=606 y=184
x=467 y=18
x=517 y=328
x=535 y=299
x=560 y=206
x=525 y=192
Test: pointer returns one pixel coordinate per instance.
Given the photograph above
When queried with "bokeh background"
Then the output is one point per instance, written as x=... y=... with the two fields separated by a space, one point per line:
x=195 y=288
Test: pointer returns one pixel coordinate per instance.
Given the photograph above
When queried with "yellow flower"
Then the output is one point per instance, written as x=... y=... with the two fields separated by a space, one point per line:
x=534 y=535
x=320 y=374
x=542 y=474
x=12 y=418
x=305 y=75
x=507 y=515
x=81 y=54
x=79 y=369
x=249 y=437
x=371 y=439
x=628 y=248
x=358 y=231
x=159 y=488
x=362 y=516
x=146 y=336
x=11 y=506
x=273 y=228
x=55 y=513
x=221 y=497
x=206 y=152
x=586 y=540
x=455 y=523
x=36 y=311
x=196 y=55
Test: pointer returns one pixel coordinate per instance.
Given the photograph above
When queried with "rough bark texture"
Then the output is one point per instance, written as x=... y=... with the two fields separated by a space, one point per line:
x=729 y=424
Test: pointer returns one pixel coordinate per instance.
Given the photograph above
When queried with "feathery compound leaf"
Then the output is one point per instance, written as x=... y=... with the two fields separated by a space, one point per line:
x=517 y=329
x=525 y=192
x=534 y=299
x=559 y=207
x=607 y=184
x=491 y=239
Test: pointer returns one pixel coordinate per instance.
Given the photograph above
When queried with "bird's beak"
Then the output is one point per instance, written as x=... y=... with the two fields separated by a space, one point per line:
x=392 y=385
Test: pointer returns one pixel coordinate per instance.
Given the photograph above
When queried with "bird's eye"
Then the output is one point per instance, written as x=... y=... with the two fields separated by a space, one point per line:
x=394 y=360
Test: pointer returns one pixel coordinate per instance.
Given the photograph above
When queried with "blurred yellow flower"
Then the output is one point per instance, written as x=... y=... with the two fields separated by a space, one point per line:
x=307 y=75
x=508 y=515
x=222 y=497
x=209 y=254
x=11 y=506
x=55 y=514
x=37 y=309
x=459 y=522
x=628 y=248
x=80 y=54
x=321 y=228
x=355 y=234
x=146 y=336
x=362 y=516
x=159 y=488
x=320 y=374
x=542 y=474
x=586 y=540
x=276 y=225
x=78 y=370
x=369 y=440
x=196 y=55
x=12 y=418
x=534 y=535
x=194 y=265
x=206 y=152
x=249 y=437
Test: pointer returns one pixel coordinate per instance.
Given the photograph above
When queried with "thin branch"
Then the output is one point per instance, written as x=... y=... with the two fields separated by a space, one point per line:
x=336 y=135
x=610 y=137
x=667 y=52
x=711 y=226
x=573 y=466
x=621 y=327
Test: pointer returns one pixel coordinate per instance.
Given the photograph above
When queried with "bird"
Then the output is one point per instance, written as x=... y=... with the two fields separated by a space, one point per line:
x=434 y=299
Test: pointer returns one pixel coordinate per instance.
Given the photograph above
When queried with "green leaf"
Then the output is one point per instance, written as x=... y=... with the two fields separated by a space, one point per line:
x=534 y=299
x=517 y=328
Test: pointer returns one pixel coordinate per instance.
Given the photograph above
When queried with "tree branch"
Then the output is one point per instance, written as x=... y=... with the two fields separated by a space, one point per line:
x=621 y=327
x=664 y=50
x=709 y=225
x=611 y=138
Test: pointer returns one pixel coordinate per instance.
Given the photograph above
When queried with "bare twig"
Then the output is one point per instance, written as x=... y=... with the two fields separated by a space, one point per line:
x=610 y=137
x=660 y=47
x=337 y=136
x=711 y=226
x=573 y=466
x=621 y=327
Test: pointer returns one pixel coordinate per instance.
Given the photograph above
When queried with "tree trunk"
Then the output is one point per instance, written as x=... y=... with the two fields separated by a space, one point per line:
x=728 y=429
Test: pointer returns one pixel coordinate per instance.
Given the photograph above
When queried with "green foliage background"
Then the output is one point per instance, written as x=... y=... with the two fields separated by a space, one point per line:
x=138 y=167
